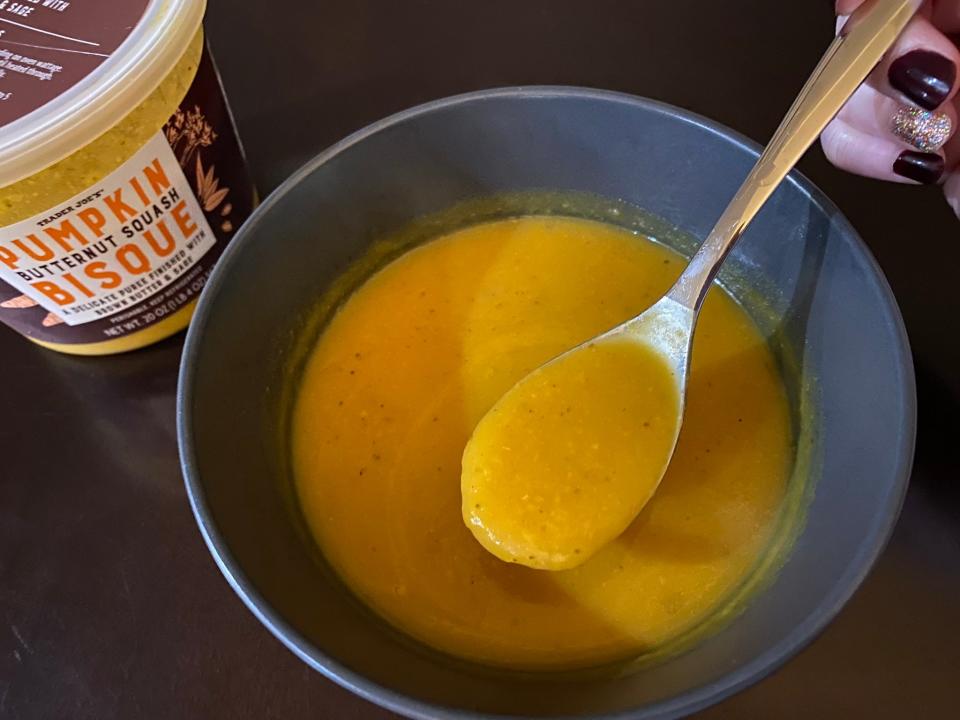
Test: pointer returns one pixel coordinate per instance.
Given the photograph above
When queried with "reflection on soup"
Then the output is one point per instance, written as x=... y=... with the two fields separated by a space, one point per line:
x=420 y=352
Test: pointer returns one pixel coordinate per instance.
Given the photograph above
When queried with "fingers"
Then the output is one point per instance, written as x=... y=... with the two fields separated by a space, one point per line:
x=944 y=14
x=894 y=125
x=871 y=111
x=921 y=67
x=878 y=157
x=916 y=82
x=861 y=140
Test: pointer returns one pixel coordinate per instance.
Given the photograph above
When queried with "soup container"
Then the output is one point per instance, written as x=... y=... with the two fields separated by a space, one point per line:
x=823 y=304
x=121 y=176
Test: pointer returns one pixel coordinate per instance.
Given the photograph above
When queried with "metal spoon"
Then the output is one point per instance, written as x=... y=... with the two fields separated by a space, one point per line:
x=667 y=327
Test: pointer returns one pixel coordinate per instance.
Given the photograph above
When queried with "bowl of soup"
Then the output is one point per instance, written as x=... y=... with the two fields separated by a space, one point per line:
x=380 y=303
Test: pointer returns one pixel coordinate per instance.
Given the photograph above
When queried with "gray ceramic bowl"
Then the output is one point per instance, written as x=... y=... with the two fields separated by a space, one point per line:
x=826 y=297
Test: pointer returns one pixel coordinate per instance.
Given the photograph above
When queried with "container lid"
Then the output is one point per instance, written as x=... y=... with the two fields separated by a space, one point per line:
x=69 y=71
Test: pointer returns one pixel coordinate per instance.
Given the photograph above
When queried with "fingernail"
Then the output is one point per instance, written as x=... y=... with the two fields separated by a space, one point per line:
x=925 y=130
x=923 y=167
x=923 y=76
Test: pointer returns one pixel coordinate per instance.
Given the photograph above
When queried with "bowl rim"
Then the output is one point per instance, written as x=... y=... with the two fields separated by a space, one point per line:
x=692 y=700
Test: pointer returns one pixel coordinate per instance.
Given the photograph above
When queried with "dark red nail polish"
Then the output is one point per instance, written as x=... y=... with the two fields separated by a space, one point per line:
x=923 y=167
x=925 y=77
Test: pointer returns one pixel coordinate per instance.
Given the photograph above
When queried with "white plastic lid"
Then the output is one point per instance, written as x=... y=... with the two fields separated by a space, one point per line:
x=124 y=69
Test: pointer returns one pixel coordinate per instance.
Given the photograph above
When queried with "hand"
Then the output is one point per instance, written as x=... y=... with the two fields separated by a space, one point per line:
x=899 y=124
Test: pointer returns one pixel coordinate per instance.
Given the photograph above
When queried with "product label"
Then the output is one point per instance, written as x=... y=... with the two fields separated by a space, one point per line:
x=138 y=245
x=116 y=244
x=48 y=46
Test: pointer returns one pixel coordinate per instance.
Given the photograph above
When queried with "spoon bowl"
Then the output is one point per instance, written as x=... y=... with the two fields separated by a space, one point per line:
x=565 y=460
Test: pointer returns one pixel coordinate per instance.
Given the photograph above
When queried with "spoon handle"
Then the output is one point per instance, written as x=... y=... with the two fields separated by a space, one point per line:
x=866 y=36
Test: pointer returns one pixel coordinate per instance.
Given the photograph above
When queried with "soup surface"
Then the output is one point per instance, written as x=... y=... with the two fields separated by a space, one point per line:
x=421 y=351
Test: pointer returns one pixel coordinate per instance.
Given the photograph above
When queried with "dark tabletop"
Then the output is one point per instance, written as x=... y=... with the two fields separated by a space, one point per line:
x=110 y=605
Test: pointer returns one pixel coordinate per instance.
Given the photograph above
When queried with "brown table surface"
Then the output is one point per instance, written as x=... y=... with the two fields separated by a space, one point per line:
x=110 y=605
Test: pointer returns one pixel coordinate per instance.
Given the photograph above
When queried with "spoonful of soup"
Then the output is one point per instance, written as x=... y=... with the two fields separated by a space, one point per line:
x=568 y=457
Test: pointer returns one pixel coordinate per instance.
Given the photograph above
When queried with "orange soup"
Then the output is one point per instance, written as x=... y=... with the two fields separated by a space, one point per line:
x=424 y=348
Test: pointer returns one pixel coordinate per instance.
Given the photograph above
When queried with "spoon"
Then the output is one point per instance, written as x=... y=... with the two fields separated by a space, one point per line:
x=568 y=457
